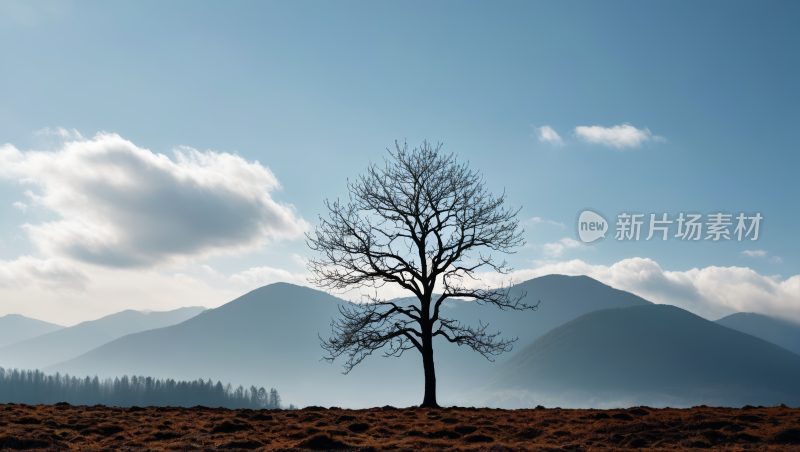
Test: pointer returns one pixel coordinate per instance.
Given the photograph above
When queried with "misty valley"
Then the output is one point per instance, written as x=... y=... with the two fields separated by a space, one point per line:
x=587 y=345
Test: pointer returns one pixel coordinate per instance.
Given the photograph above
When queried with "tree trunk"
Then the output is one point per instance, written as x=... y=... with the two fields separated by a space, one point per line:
x=430 y=375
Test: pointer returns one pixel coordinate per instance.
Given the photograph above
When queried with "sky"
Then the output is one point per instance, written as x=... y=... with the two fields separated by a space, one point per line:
x=157 y=155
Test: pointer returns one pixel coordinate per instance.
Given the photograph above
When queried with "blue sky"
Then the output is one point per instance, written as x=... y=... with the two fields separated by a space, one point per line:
x=314 y=91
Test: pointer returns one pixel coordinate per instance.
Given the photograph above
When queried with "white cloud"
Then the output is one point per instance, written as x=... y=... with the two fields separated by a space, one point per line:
x=125 y=206
x=762 y=253
x=538 y=220
x=754 y=253
x=547 y=134
x=60 y=132
x=21 y=206
x=620 y=137
x=711 y=292
x=557 y=249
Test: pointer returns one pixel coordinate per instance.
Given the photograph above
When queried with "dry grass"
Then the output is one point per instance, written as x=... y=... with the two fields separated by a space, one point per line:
x=388 y=429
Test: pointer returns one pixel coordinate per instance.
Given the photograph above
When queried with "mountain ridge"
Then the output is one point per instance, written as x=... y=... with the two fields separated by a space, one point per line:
x=66 y=343
x=16 y=328
x=254 y=338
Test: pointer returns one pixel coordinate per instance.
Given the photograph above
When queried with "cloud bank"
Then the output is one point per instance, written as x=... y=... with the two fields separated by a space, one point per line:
x=125 y=206
x=69 y=292
x=66 y=292
x=711 y=292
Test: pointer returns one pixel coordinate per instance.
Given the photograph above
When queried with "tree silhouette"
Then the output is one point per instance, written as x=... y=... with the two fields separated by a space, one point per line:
x=415 y=222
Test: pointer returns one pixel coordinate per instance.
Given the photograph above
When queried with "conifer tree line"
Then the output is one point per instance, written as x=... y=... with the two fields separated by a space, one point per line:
x=34 y=387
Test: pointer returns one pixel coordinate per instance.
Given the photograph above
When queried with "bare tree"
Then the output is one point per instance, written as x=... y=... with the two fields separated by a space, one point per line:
x=417 y=221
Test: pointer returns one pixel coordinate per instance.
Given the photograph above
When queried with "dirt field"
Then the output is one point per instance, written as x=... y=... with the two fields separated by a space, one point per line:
x=136 y=429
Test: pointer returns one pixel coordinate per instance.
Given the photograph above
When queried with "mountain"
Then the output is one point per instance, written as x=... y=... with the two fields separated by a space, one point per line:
x=270 y=336
x=772 y=329
x=66 y=343
x=656 y=355
x=267 y=337
x=15 y=328
x=561 y=299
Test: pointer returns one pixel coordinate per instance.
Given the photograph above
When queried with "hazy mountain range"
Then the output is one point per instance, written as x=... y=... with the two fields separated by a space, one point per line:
x=15 y=328
x=657 y=355
x=66 y=343
x=270 y=337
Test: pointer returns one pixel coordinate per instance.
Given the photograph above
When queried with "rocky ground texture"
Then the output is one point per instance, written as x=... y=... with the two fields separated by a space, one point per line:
x=100 y=428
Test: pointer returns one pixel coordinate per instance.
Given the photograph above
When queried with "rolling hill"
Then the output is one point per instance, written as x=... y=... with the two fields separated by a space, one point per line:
x=66 y=343
x=15 y=328
x=656 y=355
x=772 y=329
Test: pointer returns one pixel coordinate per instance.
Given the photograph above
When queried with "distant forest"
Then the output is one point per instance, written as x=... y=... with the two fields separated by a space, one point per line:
x=34 y=387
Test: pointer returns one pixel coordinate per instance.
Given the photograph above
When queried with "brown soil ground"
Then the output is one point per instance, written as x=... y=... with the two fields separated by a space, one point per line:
x=102 y=428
